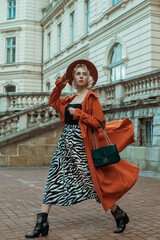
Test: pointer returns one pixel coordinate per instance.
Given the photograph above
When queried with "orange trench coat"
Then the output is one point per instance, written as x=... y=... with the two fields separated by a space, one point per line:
x=113 y=181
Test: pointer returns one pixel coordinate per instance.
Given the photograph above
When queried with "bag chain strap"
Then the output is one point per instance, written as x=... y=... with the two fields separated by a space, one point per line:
x=105 y=135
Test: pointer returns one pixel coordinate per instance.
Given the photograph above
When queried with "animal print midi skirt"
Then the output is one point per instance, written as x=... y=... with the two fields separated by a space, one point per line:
x=69 y=180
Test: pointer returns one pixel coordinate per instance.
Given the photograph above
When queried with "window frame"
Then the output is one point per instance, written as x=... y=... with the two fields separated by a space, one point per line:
x=118 y=64
x=87 y=13
x=59 y=36
x=9 y=86
x=11 y=48
x=11 y=8
x=48 y=86
x=143 y=137
x=49 y=44
x=72 y=26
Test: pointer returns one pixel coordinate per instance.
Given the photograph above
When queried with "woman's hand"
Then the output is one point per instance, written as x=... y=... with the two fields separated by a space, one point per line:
x=71 y=110
x=64 y=80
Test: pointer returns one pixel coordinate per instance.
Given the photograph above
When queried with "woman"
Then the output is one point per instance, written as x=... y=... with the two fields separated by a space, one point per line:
x=72 y=176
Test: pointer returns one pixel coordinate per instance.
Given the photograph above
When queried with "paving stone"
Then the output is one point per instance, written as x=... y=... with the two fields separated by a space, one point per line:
x=21 y=193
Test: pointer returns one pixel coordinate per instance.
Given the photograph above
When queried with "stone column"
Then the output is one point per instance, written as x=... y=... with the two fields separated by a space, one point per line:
x=4 y=103
x=119 y=94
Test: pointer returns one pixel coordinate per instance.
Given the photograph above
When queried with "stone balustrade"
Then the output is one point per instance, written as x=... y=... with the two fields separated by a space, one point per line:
x=19 y=101
x=26 y=119
x=143 y=87
x=146 y=87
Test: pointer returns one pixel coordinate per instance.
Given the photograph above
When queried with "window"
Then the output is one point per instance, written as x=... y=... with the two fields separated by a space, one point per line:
x=116 y=66
x=49 y=44
x=145 y=131
x=87 y=15
x=48 y=87
x=72 y=26
x=11 y=50
x=59 y=36
x=11 y=9
x=10 y=88
x=116 y=2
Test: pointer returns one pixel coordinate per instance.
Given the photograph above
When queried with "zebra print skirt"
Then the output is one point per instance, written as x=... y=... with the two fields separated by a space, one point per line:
x=69 y=180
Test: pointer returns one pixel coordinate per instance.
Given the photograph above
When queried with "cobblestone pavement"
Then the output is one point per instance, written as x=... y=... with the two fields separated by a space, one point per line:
x=21 y=192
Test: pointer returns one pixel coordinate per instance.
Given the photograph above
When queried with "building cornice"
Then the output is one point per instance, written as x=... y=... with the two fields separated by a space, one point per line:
x=13 y=29
x=19 y=72
x=53 y=11
x=18 y=64
x=56 y=11
x=17 y=23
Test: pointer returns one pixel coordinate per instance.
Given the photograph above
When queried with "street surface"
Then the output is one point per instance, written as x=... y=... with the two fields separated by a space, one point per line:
x=21 y=193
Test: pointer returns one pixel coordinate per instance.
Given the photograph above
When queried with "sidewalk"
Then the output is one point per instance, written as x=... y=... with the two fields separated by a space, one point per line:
x=21 y=192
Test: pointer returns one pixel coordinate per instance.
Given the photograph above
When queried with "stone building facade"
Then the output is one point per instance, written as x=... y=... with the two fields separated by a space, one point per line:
x=129 y=30
x=21 y=45
x=121 y=37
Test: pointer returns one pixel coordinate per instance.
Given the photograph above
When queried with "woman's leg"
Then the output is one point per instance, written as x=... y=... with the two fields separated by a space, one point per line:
x=114 y=207
x=42 y=225
x=45 y=208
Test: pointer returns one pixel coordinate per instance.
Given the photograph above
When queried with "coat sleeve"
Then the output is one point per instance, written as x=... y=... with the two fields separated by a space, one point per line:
x=55 y=101
x=94 y=118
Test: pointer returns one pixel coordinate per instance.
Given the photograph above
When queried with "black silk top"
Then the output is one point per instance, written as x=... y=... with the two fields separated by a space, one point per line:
x=68 y=116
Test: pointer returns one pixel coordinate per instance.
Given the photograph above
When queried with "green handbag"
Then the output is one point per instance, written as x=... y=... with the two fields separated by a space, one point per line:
x=104 y=155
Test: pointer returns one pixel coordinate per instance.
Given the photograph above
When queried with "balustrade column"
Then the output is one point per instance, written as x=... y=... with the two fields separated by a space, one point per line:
x=19 y=102
x=8 y=126
x=46 y=117
x=103 y=95
x=15 y=124
x=39 y=117
x=31 y=118
x=3 y=130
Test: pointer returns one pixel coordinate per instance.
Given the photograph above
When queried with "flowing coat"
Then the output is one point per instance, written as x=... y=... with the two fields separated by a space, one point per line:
x=113 y=181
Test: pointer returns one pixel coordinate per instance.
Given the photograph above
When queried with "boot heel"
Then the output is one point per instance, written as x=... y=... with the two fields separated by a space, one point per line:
x=126 y=219
x=45 y=232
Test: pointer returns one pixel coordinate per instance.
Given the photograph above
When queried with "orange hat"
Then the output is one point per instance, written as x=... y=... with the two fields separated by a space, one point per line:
x=91 y=67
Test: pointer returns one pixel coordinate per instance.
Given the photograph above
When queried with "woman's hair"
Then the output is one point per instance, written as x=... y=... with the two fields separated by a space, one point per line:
x=90 y=78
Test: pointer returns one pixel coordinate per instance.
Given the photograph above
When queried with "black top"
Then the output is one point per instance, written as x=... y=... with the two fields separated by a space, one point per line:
x=68 y=116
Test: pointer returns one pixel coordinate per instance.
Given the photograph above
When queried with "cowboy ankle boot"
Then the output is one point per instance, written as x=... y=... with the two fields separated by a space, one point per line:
x=121 y=220
x=42 y=226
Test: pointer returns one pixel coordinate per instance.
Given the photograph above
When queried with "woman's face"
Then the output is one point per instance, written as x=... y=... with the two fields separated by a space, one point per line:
x=81 y=77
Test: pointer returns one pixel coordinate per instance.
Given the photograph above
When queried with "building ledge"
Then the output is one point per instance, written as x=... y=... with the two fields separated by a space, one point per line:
x=18 y=64
x=14 y=29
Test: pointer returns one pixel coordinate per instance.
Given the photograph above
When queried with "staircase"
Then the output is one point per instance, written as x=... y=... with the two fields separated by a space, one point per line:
x=29 y=131
x=30 y=128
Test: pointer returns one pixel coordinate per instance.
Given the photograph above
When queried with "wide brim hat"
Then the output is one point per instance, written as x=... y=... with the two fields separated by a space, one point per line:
x=91 y=67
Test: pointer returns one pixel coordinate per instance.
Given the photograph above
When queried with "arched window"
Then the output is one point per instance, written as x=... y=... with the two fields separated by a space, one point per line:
x=116 y=66
x=10 y=88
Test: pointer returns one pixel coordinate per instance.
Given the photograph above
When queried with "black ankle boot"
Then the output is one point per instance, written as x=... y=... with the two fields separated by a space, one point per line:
x=121 y=220
x=41 y=227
